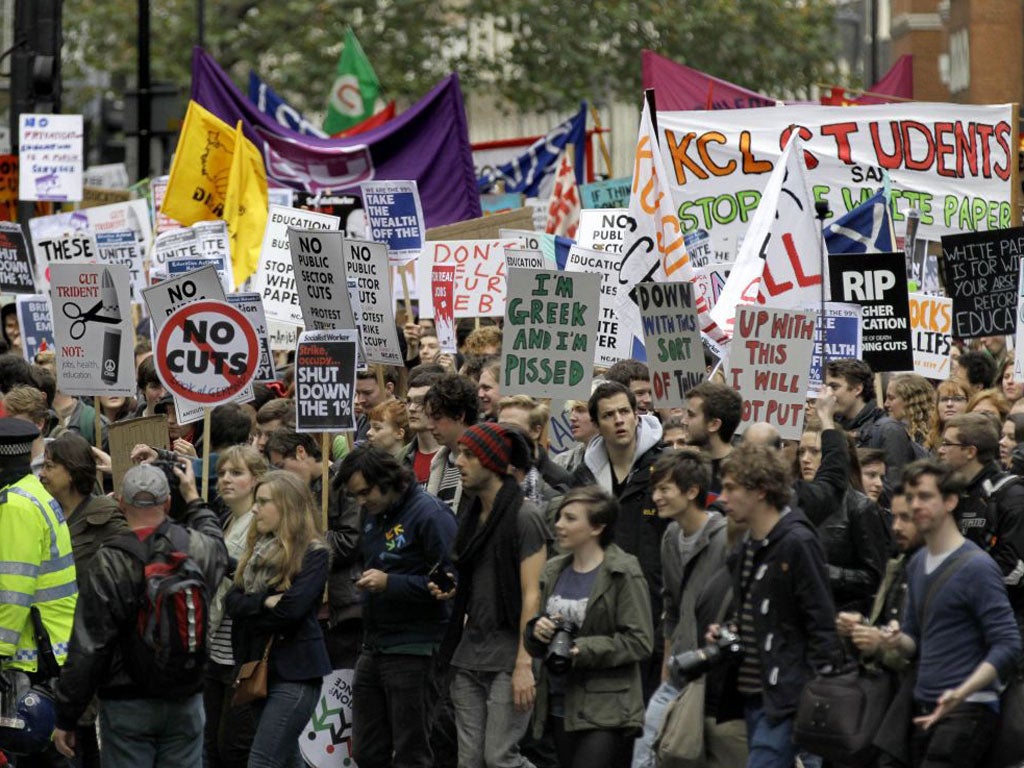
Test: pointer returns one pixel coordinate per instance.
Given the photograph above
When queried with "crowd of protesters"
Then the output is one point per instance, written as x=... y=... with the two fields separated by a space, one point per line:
x=502 y=605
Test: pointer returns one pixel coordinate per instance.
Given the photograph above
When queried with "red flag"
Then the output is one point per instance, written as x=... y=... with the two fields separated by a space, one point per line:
x=373 y=121
x=564 y=206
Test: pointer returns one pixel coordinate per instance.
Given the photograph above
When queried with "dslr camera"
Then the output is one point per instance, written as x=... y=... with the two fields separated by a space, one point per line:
x=166 y=461
x=688 y=666
x=558 y=659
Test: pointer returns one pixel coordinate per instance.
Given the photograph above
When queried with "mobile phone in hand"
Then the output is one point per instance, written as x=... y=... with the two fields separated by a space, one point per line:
x=441 y=578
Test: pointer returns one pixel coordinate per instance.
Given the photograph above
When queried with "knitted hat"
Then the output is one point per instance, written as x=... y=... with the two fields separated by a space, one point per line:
x=496 y=446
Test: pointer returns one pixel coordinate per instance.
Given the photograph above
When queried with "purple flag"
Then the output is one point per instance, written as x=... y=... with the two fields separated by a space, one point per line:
x=428 y=143
x=679 y=87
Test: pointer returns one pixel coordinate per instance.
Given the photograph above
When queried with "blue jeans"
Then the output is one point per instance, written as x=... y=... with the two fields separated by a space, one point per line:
x=643 y=748
x=487 y=721
x=390 y=714
x=282 y=717
x=771 y=742
x=151 y=733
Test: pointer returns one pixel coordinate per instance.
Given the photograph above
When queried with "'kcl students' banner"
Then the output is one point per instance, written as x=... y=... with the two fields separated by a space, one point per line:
x=428 y=143
x=953 y=162
x=980 y=271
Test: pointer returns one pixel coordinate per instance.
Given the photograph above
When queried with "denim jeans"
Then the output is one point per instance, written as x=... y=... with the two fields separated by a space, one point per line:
x=643 y=748
x=282 y=717
x=771 y=742
x=229 y=729
x=390 y=713
x=487 y=721
x=151 y=733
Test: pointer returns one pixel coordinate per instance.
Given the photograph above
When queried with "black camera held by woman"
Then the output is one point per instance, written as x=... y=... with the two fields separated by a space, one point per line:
x=558 y=659
x=688 y=666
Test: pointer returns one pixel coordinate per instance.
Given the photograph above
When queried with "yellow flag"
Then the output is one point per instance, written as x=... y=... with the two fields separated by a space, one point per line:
x=199 y=173
x=245 y=206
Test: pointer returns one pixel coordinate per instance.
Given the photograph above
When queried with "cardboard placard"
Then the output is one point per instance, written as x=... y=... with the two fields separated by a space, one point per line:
x=394 y=217
x=769 y=366
x=548 y=345
x=605 y=229
x=318 y=270
x=485 y=227
x=609 y=193
x=275 y=279
x=527 y=258
x=980 y=270
x=479 y=274
x=931 y=323
x=325 y=380
x=94 y=337
x=15 y=263
x=77 y=246
x=675 y=355
x=252 y=306
x=125 y=435
x=878 y=283
x=121 y=248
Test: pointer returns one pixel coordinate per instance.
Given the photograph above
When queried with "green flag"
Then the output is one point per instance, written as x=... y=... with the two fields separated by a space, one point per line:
x=353 y=96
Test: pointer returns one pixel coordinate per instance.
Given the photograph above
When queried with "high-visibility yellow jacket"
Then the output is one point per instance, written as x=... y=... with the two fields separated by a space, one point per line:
x=36 y=568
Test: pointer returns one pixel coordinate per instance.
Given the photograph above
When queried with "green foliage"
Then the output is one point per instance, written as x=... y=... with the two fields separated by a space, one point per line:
x=549 y=52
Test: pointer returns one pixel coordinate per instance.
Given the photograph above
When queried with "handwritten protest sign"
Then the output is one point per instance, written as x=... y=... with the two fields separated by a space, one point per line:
x=36 y=324
x=547 y=348
x=325 y=374
x=132 y=215
x=604 y=230
x=78 y=246
x=479 y=274
x=274 y=279
x=320 y=280
x=50 y=152
x=609 y=193
x=931 y=323
x=769 y=366
x=675 y=355
x=394 y=217
x=15 y=264
x=878 y=283
x=93 y=333
x=980 y=270
x=367 y=264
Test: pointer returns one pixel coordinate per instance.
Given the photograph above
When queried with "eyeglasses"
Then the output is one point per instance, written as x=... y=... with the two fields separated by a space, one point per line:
x=949 y=399
x=947 y=444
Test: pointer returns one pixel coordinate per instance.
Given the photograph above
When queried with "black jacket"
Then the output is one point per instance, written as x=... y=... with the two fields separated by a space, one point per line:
x=873 y=429
x=107 y=611
x=794 y=617
x=298 y=652
x=344 y=521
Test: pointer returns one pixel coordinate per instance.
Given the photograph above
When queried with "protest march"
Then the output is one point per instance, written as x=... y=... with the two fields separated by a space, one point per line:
x=351 y=442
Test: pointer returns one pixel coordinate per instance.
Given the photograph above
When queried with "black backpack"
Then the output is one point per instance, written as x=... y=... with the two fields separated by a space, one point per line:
x=166 y=649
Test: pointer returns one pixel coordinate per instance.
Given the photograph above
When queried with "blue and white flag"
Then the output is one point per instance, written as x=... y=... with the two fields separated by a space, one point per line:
x=865 y=229
x=270 y=103
x=525 y=173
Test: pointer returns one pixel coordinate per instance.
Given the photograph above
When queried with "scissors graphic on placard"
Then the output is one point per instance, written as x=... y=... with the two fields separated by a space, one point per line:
x=93 y=315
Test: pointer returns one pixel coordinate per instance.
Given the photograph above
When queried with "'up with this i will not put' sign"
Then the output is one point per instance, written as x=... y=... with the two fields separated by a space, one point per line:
x=769 y=363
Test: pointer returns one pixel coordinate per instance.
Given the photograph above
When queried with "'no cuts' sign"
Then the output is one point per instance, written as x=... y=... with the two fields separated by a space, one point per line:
x=207 y=352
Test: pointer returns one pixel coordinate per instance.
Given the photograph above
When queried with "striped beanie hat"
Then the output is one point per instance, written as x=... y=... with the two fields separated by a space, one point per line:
x=491 y=443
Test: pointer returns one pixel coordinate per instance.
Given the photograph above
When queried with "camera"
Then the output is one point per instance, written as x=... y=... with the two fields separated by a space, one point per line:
x=166 y=461
x=688 y=666
x=558 y=659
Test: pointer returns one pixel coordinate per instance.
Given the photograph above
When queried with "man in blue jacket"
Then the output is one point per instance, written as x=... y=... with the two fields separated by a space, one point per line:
x=406 y=532
x=785 y=617
x=959 y=625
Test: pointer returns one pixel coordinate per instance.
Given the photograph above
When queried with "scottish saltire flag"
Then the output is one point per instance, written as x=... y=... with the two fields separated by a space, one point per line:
x=865 y=229
x=525 y=173
x=272 y=105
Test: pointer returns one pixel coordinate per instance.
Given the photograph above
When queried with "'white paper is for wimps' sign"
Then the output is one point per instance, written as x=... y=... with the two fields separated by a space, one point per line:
x=769 y=363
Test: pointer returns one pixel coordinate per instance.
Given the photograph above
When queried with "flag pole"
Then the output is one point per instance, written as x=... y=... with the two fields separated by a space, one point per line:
x=822 y=212
x=598 y=129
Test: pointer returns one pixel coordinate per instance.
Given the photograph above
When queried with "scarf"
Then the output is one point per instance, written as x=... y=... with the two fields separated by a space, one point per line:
x=259 y=570
x=499 y=535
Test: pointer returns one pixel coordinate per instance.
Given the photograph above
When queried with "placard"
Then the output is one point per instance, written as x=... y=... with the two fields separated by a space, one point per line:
x=609 y=193
x=121 y=248
x=167 y=296
x=843 y=338
x=132 y=215
x=15 y=264
x=36 y=324
x=931 y=323
x=50 y=152
x=367 y=264
x=548 y=343
x=878 y=283
x=604 y=230
x=275 y=280
x=93 y=331
x=325 y=380
x=769 y=364
x=78 y=246
x=675 y=355
x=442 y=292
x=479 y=274
x=123 y=436
x=980 y=270
x=320 y=280
x=251 y=306
x=394 y=217
x=526 y=258
x=181 y=265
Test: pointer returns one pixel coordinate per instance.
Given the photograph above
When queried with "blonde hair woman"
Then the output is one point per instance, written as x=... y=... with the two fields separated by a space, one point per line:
x=910 y=399
x=279 y=586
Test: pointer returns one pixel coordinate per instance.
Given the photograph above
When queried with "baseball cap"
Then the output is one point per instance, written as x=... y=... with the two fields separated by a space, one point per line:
x=145 y=486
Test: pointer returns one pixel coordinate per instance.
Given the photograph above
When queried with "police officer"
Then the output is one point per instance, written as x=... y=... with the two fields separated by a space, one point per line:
x=37 y=569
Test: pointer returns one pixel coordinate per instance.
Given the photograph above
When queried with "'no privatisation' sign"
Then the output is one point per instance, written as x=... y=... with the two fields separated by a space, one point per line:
x=207 y=352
